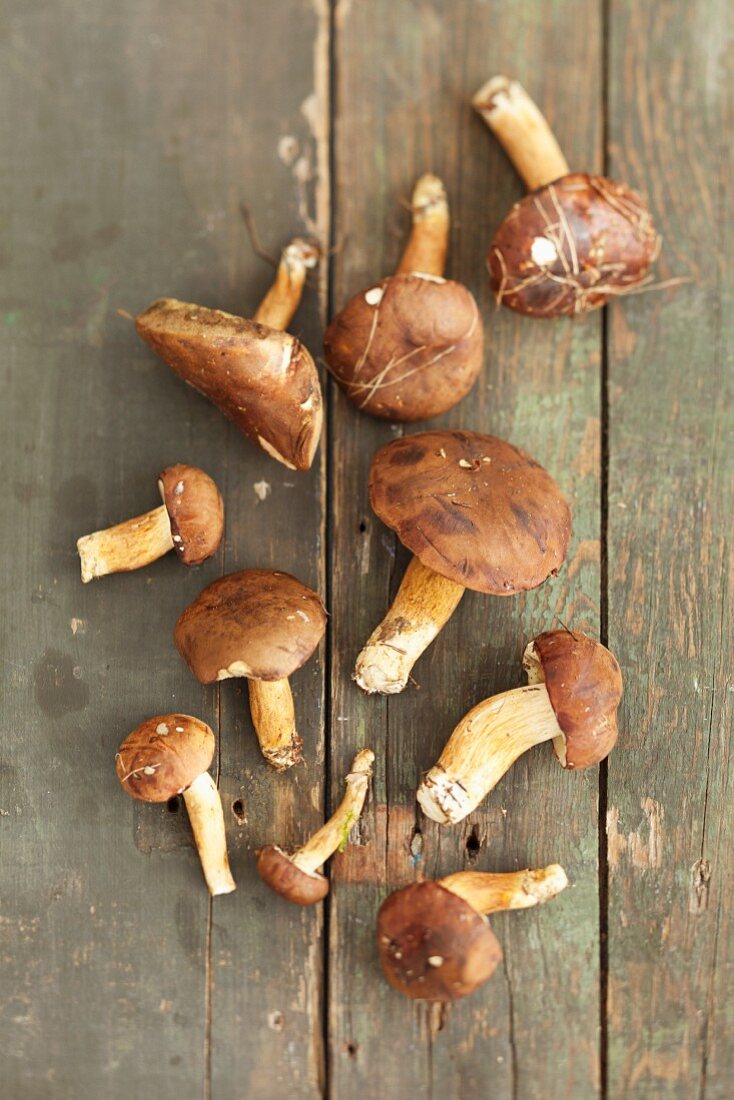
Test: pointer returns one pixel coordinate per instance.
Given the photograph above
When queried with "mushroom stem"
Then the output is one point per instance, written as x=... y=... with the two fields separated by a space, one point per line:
x=485 y=744
x=490 y=893
x=283 y=298
x=204 y=808
x=425 y=252
x=423 y=605
x=334 y=833
x=522 y=130
x=126 y=546
x=274 y=719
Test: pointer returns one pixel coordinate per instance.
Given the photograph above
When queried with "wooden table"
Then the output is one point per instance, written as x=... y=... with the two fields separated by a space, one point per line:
x=132 y=132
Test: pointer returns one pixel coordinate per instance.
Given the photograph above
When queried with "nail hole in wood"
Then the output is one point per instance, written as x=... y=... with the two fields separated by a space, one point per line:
x=473 y=843
x=238 y=809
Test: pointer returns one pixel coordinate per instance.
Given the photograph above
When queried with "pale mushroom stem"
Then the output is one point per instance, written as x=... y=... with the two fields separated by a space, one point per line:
x=428 y=243
x=204 y=808
x=274 y=719
x=483 y=747
x=334 y=833
x=423 y=605
x=126 y=546
x=522 y=130
x=282 y=300
x=490 y=893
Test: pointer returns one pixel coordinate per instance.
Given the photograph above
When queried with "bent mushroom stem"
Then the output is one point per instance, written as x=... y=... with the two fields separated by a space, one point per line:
x=274 y=719
x=490 y=893
x=428 y=243
x=423 y=605
x=127 y=546
x=204 y=808
x=334 y=833
x=522 y=130
x=283 y=298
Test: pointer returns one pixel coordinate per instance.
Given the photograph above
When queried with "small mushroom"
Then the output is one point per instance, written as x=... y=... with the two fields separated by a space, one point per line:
x=433 y=938
x=261 y=377
x=576 y=240
x=296 y=876
x=476 y=512
x=573 y=691
x=263 y=625
x=410 y=346
x=170 y=755
x=190 y=521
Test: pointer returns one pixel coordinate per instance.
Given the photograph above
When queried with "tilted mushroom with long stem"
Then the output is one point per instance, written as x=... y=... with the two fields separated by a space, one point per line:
x=576 y=240
x=260 y=376
x=573 y=691
x=411 y=345
x=169 y=755
x=433 y=938
x=476 y=512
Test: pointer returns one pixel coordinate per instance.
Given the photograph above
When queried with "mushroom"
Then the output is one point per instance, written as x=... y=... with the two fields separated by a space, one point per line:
x=170 y=755
x=576 y=239
x=296 y=876
x=261 y=377
x=433 y=938
x=190 y=521
x=573 y=691
x=263 y=625
x=411 y=345
x=476 y=512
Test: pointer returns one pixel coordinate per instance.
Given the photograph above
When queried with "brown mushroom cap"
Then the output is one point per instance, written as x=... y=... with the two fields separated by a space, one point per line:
x=571 y=245
x=163 y=756
x=433 y=946
x=262 y=379
x=473 y=508
x=584 y=685
x=257 y=623
x=195 y=509
x=408 y=348
x=293 y=884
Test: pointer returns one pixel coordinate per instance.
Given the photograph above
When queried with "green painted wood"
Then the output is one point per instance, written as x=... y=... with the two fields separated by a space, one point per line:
x=669 y=827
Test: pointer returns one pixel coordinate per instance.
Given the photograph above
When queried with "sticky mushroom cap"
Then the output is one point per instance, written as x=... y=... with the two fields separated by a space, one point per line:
x=195 y=509
x=433 y=946
x=258 y=623
x=281 y=874
x=473 y=508
x=163 y=756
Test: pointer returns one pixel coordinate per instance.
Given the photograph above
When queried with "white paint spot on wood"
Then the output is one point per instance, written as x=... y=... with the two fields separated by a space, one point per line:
x=288 y=149
x=262 y=490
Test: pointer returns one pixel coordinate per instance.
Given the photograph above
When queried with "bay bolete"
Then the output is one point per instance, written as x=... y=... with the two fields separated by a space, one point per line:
x=576 y=240
x=476 y=512
x=410 y=346
x=190 y=521
x=295 y=875
x=573 y=691
x=260 y=376
x=261 y=624
x=433 y=938
x=169 y=755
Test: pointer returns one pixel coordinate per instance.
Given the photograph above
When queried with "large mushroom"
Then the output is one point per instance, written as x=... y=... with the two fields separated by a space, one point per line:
x=260 y=376
x=573 y=691
x=170 y=755
x=433 y=938
x=576 y=240
x=263 y=625
x=295 y=875
x=190 y=521
x=411 y=345
x=476 y=512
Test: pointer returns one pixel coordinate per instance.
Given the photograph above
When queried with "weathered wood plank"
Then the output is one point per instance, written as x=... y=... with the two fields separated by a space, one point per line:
x=669 y=828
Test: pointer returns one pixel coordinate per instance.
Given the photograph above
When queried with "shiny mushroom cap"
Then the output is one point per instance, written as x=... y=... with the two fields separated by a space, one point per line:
x=571 y=245
x=473 y=508
x=163 y=756
x=408 y=348
x=433 y=946
x=257 y=623
x=584 y=685
x=281 y=874
x=195 y=509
